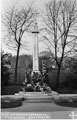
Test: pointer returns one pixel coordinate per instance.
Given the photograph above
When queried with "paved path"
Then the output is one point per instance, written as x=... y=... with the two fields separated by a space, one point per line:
x=49 y=108
x=39 y=107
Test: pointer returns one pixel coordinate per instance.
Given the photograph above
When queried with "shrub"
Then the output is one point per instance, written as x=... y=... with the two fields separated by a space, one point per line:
x=8 y=102
x=72 y=75
x=29 y=89
x=5 y=64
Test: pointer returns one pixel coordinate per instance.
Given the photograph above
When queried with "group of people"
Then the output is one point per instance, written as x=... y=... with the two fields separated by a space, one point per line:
x=36 y=79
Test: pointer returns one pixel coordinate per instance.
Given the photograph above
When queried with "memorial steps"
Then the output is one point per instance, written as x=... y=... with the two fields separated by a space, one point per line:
x=36 y=97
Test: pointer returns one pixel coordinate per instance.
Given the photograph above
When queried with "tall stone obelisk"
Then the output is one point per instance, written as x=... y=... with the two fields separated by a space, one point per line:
x=35 y=49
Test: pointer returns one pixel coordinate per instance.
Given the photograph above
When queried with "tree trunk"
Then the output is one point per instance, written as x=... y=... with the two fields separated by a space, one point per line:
x=58 y=77
x=16 y=65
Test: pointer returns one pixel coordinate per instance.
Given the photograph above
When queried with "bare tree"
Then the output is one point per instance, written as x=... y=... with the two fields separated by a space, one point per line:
x=17 y=22
x=61 y=28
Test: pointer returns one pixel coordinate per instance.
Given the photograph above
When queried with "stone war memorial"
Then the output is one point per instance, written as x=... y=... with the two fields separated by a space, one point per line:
x=36 y=77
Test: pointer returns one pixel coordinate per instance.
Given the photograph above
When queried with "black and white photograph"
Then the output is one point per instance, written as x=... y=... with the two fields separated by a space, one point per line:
x=38 y=59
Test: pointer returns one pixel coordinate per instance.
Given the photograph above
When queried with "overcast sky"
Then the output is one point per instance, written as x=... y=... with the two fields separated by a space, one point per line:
x=5 y=4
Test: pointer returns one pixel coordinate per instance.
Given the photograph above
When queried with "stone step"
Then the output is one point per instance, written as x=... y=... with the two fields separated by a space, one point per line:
x=36 y=97
x=41 y=97
x=38 y=100
x=32 y=98
x=32 y=93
